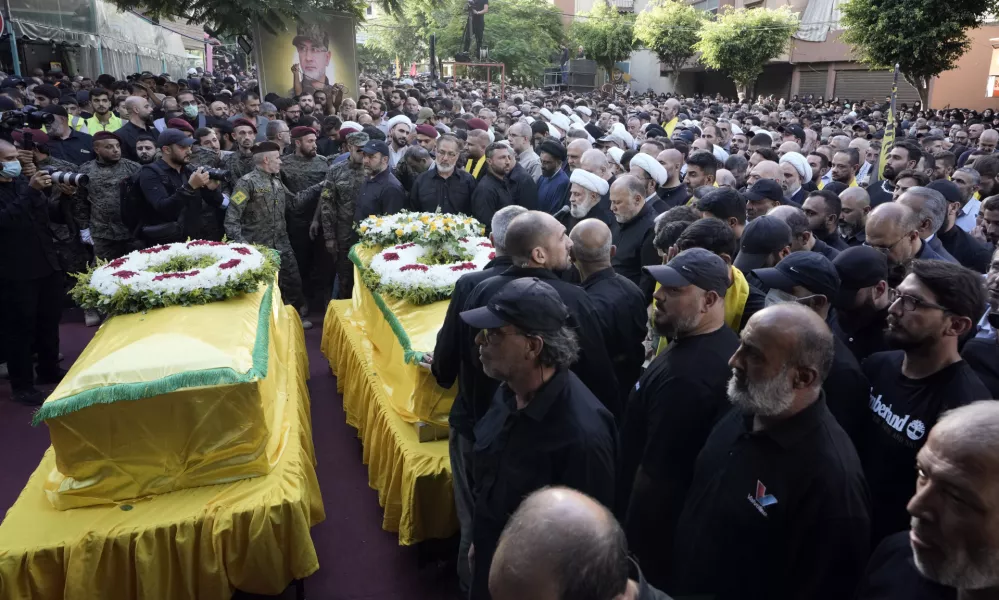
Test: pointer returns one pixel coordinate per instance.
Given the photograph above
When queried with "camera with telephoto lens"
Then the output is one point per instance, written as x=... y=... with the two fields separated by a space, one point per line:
x=28 y=117
x=67 y=177
x=218 y=174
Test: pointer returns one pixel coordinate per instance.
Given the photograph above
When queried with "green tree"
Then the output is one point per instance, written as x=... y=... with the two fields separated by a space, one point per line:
x=522 y=34
x=925 y=37
x=740 y=42
x=670 y=29
x=399 y=36
x=371 y=59
x=607 y=36
x=236 y=17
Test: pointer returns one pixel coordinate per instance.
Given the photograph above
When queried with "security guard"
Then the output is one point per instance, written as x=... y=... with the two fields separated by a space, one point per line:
x=256 y=215
x=300 y=170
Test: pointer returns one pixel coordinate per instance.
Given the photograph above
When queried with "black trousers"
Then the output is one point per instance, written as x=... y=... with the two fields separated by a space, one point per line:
x=30 y=311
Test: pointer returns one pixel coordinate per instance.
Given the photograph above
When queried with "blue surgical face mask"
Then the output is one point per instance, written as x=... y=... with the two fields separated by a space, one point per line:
x=10 y=169
x=191 y=111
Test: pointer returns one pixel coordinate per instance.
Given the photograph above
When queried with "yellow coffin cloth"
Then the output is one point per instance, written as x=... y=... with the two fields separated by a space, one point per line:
x=198 y=543
x=401 y=332
x=413 y=479
x=171 y=399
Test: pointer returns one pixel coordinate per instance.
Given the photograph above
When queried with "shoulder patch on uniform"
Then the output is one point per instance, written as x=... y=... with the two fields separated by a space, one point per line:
x=239 y=197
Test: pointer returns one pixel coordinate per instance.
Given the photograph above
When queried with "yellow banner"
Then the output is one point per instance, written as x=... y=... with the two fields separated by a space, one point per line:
x=889 y=139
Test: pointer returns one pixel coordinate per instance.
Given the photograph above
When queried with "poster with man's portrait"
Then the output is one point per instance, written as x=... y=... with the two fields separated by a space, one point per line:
x=317 y=49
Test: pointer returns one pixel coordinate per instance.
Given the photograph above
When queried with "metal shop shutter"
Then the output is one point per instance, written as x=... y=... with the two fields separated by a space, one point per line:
x=812 y=82
x=872 y=85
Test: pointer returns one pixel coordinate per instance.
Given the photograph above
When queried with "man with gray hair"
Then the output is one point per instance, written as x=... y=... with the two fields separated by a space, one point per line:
x=543 y=426
x=931 y=206
x=781 y=452
x=802 y=238
x=967 y=181
x=519 y=135
x=449 y=362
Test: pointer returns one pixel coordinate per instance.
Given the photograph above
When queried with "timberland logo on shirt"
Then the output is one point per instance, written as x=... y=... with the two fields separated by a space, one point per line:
x=916 y=430
x=762 y=498
x=896 y=422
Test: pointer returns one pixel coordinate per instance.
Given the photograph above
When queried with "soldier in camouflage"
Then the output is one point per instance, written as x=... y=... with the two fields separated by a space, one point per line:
x=207 y=152
x=335 y=211
x=256 y=215
x=300 y=170
x=97 y=205
x=241 y=162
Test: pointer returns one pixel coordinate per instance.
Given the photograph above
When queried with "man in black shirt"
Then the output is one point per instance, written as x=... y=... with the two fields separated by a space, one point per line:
x=802 y=238
x=454 y=358
x=66 y=143
x=139 y=112
x=560 y=539
x=778 y=506
x=891 y=574
x=936 y=304
x=619 y=304
x=957 y=242
x=903 y=156
x=443 y=186
x=982 y=353
x=539 y=246
x=931 y=207
x=893 y=229
x=543 y=427
x=809 y=279
x=862 y=304
x=823 y=209
x=493 y=190
x=855 y=205
x=637 y=220
x=675 y=404
x=381 y=193
x=477 y=10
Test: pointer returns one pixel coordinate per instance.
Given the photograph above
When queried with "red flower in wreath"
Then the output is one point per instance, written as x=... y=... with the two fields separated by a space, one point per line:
x=230 y=263
x=465 y=266
x=241 y=250
x=154 y=250
x=414 y=267
x=404 y=246
x=485 y=245
x=114 y=264
x=203 y=243
x=492 y=255
x=124 y=274
x=391 y=255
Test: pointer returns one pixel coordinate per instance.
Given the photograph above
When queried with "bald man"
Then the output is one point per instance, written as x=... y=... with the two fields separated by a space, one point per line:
x=950 y=550
x=634 y=244
x=779 y=469
x=519 y=135
x=619 y=303
x=893 y=229
x=855 y=205
x=673 y=192
x=725 y=178
x=139 y=123
x=788 y=147
x=561 y=543
x=574 y=152
x=765 y=169
x=671 y=109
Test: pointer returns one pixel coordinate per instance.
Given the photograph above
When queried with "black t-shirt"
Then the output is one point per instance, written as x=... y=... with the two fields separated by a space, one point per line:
x=983 y=357
x=670 y=412
x=902 y=412
x=846 y=389
x=892 y=575
x=478 y=5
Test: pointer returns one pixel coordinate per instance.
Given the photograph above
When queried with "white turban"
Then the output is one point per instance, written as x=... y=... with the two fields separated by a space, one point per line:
x=736 y=130
x=399 y=119
x=547 y=114
x=589 y=181
x=800 y=165
x=576 y=119
x=584 y=110
x=648 y=164
x=622 y=132
x=351 y=125
x=616 y=155
x=529 y=120
x=554 y=132
x=565 y=108
x=561 y=121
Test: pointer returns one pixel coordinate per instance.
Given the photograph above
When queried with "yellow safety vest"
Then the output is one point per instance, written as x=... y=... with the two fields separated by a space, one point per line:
x=669 y=127
x=735 y=304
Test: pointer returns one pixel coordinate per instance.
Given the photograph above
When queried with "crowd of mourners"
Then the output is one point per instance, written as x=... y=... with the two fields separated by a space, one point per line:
x=724 y=350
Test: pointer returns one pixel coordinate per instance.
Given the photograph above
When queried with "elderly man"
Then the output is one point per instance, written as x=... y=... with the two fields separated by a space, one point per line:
x=931 y=207
x=653 y=175
x=796 y=173
x=637 y=219
x=256 y=215
x=931 y=309
x=957 y=242
x=781 y=452
x=586 y=191
x=443 y=187
x=619 y=303
x=893 y=228
x=675 y=404
x=561 y=539
x=524 y=441
x=574 y=152
x=823 y=208
x=519 y=136
x=765 y=169
x=855 y=205
x=762 y=196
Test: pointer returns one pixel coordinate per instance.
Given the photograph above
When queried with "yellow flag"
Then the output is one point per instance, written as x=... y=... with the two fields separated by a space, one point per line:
x=889 y=139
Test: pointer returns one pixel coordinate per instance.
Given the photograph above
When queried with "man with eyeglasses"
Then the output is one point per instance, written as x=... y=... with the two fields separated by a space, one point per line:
x=443 y=187
x=893 y=229
x=911 y=386
x=519 y=135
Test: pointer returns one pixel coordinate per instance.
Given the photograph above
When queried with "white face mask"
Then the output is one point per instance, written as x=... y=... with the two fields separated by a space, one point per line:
x=776 y=296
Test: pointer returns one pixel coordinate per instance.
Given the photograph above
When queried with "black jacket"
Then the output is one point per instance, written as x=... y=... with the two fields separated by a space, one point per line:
x=380 y=195
x=491 y=194
x=129 y=135
x=172 y=208
x=78 y=148
x=967 y=250
x=523 y=188
x=633 y=250
x=26 y=248
x=452 y=195
x=677 y=196
x=623 y=319
x=938 y=247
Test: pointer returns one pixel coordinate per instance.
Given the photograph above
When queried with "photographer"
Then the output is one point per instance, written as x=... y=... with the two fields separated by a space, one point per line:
x=65 y=142
x=97 y=204
x=30 y=278
x=172 y=192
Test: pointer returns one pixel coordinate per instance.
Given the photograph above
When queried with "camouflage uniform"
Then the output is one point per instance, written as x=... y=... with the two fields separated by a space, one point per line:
x=237 y=165
x=73 y=254
x=299 y=173
x=97 y=207
x=211 y=217
x=256 y=215
x=337 y=195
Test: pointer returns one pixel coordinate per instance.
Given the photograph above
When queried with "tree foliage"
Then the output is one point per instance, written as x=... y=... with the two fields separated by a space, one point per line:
x=670 y=29
x=399 y=36
x=925 y=37
x=740 y=42
x=606 y=36
x=236 y=17
x=522 y=34
x=373 y=60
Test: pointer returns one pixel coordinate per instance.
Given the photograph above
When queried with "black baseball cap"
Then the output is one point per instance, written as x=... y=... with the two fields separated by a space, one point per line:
x=810 y=270
x=170 y=137
x=375 y=147
x=794 y=130
x=526 y=303
x=948 y=188
x=858 y=268
x=694 y=266
x=762 y=237
x=765 y=189
x=54 y=109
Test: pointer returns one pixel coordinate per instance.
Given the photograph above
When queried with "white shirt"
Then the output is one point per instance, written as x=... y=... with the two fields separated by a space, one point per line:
x=968 y=214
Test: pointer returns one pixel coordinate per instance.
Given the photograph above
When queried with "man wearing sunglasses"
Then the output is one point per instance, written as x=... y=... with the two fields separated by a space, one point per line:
x=893 y=230
x=911 y=386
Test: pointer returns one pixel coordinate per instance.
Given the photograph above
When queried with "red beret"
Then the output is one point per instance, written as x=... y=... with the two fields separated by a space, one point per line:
x=180 y=124
x=106 y=135
x=302 y=131
x=244 y=123
x=427 y=130
x=37 y=136
x=478 y=124
x=345 y=131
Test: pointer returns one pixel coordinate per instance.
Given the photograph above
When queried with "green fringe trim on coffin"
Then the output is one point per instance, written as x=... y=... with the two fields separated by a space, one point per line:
x=171 y=383
x=409 y=355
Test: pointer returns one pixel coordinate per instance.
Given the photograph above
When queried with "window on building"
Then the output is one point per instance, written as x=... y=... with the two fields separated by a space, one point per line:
x=755 y=4
x=706 y=5
x=369 y=11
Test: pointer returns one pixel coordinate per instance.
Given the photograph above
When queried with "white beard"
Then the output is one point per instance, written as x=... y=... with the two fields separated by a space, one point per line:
x=766 y=399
